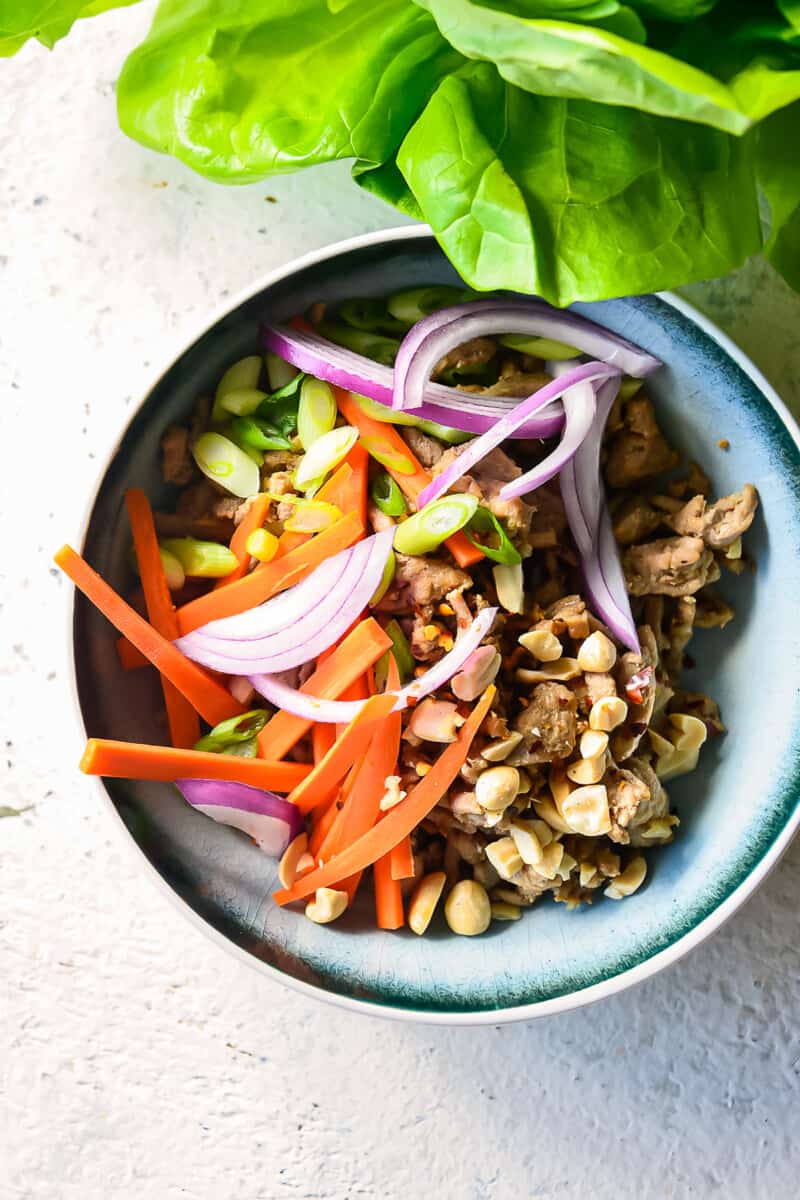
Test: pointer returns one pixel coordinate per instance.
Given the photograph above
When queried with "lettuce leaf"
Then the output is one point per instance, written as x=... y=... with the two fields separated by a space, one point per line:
x=254 y=87
x=575 y=200
x=779 y=176
x=47 y=20
x=561 y=58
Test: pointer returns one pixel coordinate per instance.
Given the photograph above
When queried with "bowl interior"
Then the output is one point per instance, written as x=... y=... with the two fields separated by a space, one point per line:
x=731 y=809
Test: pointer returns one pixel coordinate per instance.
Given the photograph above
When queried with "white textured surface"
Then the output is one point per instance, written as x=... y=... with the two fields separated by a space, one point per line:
x=139 y=1061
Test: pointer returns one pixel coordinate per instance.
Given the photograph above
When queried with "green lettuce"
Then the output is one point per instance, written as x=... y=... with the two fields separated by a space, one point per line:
x=578 y=149
x=47 y=20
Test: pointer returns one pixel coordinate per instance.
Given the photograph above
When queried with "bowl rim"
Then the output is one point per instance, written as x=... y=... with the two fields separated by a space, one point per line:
x=625 y=979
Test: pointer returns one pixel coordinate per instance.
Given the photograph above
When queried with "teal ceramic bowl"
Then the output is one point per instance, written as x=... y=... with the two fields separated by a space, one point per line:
x=738 y=811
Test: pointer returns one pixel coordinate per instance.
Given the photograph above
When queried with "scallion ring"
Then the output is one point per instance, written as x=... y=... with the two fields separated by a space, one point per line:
x=225 y=463
x=386 y=495
x=426 y=530
x=316 y=412
x=484 y=521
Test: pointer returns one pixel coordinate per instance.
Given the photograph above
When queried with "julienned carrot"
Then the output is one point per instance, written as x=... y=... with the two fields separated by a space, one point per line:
x=210 y=699
x=354 y=497
x=412 y=482
x=322 y=738
x=132 y=760
x=400 y=820
x=388 y=896
x=130 y=659
x=253 y=519
x=402 y=858
x=343 y=753
x=358 y=690
x=272 y=577
x=361 y=647
x=323 y=819
x=184 y=726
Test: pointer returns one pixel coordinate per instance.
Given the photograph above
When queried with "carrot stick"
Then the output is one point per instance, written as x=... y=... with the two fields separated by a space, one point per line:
x=213 y=701
x=253 y=519
x=358 y=690
x=402 y=860
x=411 y=482
x=323 y=819
x=322 y=738
x=335 y=491
x=130 y=659
x=388 y=897
x=184 y=726
x=345 y=750
x=400 y=820
x=354 y=498
x=133 y=760
x=363 y=646
x=270 y=578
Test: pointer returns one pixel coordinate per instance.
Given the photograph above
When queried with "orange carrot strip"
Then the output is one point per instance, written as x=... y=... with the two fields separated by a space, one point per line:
x=184 y=726
x=355 y=495
x=208 y=697
x=400 y=820
x=402 y=860
x=253 y=519
x=343 y=753
x=130 y=659
x=323 y=819
x=133 y=760
x=410 y=483
x=322 y=738
x=358 y=690
x=333 y=492
x=388 y=897
x=272 y=577
x=363 y=646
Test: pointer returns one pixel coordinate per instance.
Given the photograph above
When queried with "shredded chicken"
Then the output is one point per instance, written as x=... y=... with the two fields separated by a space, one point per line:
x=426 y=449
x=419 y=583
x=470 y=356
x=548 y=723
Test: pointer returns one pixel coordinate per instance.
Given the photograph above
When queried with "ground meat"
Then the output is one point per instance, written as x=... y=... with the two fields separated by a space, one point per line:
x=639 y=450
x=378 y=520
x=419 y=583
x=548 y=521
x=626 y=792
x=679 y=634
x=719 y=524
x=677 y=566
x=548 y=723
x=279 y=460
x=598 y=684
x=280 y=483
x=427 y=449
x=654 y=804
x=634 y=520
x=695 y=481
x=567 y=615
x=712 y=611
x=177 y=464
x=630 y=665
x=206 y=528
x=518 y=384
x=486 y=480
x=227 y=507
x=473 y=355
x=531 y=885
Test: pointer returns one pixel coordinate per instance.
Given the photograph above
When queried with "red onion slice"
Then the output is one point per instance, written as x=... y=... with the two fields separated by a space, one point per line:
x=470 y=412
x=330 y=712
x=434 y=336
x=269 y=820
x=473 y=452
x=317 y=613
x=590 y=523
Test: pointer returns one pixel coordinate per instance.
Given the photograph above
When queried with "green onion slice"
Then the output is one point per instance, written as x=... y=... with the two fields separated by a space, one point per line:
x=402 y=656
x=386 y=580
x=242 y=374
x=201 y=560
x=225 y=463
x=325 y=454
x=413 y=304
x=386 y=495
x=316 y=412
x=242 y=401
x=540 y=347
x=385 y=453
x=426 y=530
x=255 y=434
x=279 y=372
x=370 y=315
x=371 y=345
x=502 y=550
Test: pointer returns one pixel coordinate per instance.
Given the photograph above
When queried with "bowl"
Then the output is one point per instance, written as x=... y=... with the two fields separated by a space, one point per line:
x=738 y=811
